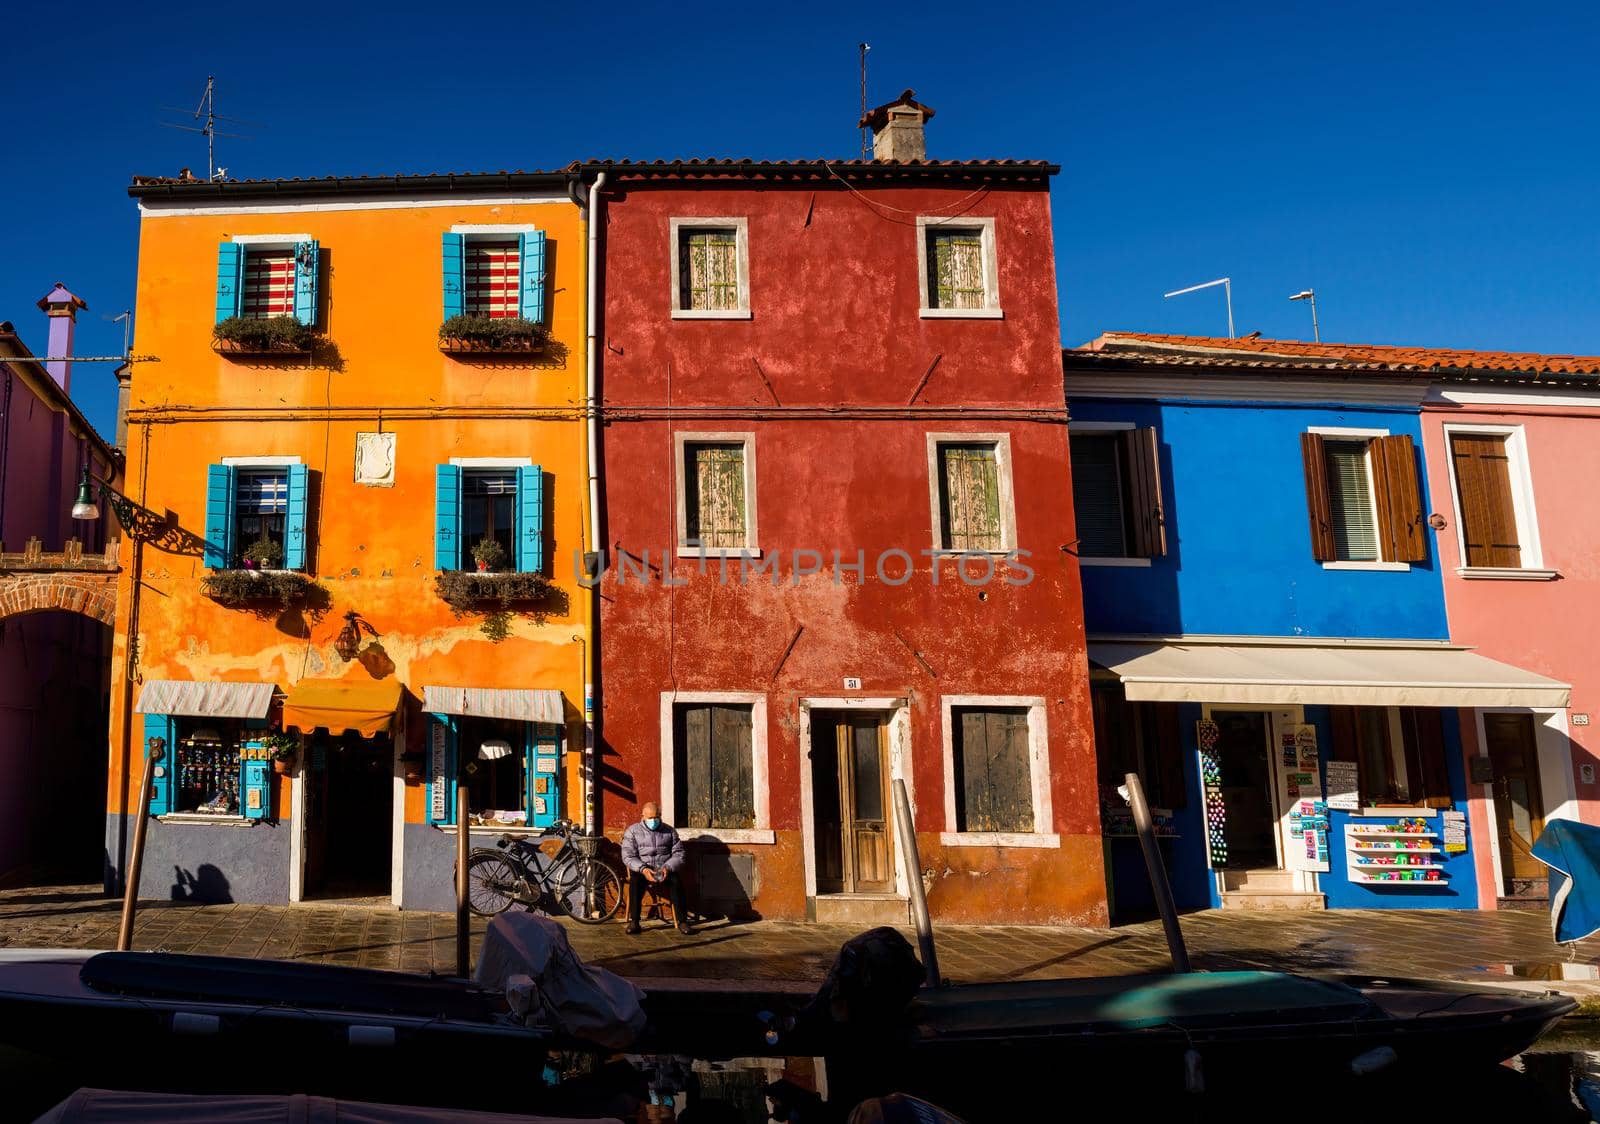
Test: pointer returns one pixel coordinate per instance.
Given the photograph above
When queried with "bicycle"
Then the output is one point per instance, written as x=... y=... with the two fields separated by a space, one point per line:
x=517 y=870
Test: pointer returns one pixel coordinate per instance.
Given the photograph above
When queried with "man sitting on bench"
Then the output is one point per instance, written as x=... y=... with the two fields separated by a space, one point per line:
x=653 y=853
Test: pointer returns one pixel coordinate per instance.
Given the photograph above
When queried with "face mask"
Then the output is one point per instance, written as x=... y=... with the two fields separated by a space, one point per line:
x=652 y=823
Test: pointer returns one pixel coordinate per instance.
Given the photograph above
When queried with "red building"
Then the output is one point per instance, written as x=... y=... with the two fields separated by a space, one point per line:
x=839 y=520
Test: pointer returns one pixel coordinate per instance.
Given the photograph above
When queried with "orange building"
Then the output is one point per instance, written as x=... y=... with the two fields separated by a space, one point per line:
x=364 y=420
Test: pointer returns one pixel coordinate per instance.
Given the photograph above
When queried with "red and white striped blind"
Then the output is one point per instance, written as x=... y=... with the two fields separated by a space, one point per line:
x=493 y=273
x=268 y=283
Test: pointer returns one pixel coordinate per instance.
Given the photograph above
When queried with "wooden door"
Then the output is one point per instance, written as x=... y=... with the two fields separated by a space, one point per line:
x=1518 y=799
x=851 y=804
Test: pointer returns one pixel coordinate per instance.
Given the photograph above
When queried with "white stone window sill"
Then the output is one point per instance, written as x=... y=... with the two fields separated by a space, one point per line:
x=202 y=818
x=492 y=829
x=1385 y=567
x=946 y=553
x=998 y=839
x=727 y=835
x=719 y=551
x=1085 y=560
x=1506 y=573
x=711 y=314
x=961 y=314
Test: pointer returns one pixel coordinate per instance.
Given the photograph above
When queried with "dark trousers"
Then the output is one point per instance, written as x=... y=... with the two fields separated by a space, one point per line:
x=668 y=885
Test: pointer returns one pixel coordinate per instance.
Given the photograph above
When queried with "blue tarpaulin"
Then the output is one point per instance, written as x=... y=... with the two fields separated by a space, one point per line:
x=1572 y=852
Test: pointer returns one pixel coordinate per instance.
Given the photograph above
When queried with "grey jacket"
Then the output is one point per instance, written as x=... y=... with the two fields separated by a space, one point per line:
x=642 y=847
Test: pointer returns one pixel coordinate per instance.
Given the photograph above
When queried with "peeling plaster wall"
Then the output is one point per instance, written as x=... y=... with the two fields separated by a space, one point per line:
x=835 y=299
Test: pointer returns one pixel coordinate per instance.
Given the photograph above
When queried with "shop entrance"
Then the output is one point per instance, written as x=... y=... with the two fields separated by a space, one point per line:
x=1518 y=797
x=349 y=797
x=1243 y=746
x=851 y=802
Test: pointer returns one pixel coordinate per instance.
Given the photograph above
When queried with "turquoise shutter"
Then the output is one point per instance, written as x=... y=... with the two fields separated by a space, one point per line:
x=306 y=266
x=441 y=763
x=454 y=275
x=255 y=790
x=531 y=291
x=161 y=795
x=530 y=519
x=230 y=279
x=219 y=516
x=294 y=524
x=447 y=518
x=544 y=774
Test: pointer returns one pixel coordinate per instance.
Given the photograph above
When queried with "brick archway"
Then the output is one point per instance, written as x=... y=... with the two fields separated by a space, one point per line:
x=36 y=582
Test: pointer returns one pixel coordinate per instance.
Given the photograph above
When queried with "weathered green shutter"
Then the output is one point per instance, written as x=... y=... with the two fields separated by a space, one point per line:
x=530 y=519
x=531 y=290
x=970 y=490
x=295 y=528
x=219 y=517
x=447 y=517
x=716 y=496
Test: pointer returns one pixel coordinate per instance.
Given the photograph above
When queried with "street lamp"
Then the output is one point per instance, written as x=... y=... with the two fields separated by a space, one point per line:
x=85 y=507
x=1310 y=295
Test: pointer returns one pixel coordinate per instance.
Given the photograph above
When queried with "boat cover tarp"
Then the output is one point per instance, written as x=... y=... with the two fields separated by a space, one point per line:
x=528 y=957
x=1572 y=852
x=1192 y=999
x=232 y=979
x=91 y=1106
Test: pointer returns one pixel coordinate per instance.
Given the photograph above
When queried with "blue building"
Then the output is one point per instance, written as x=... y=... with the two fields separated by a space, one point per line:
x=1267 y=628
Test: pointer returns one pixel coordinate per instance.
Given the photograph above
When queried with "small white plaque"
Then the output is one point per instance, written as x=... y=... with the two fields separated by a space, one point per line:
x=851 y=683
x=1580 y=719
x=375 y=459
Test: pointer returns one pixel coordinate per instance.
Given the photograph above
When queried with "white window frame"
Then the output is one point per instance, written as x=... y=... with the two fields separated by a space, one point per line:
x=1008 y=508
x=1107 y=427
x=1533 y=567
x=759 y=776
x=1344 y=432
x=680 y=444
x=1038 y=769
x=991 y=269
x=741 y=228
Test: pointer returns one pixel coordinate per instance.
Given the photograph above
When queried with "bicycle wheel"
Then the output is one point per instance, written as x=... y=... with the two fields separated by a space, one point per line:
x=492 y=883
x=589 y=891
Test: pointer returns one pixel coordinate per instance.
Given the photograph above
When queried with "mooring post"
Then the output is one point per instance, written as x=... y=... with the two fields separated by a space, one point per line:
x=919 y=898
x=463 y=844
x=155 y=751
x=1158 y=873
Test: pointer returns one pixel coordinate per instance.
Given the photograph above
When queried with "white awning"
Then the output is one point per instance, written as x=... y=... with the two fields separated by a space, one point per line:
x=205 y=700
x=528 y=705
x=1273 y=671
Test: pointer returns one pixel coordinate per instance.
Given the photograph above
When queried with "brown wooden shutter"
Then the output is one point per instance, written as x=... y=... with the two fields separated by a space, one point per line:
x=1318 y=509
x=995 y=783
x=694 y=789
x=1146 y=517
x=732 y=780
x=1426 y=775
x=1167 y=745
x=1483 y=484
x=1399 y=499
x=1346 y=746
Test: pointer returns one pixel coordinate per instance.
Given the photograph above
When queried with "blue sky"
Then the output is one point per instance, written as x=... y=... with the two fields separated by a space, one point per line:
x=1430 y=168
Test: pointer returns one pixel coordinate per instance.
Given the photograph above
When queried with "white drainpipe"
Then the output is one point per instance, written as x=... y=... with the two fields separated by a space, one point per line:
x=591 y=401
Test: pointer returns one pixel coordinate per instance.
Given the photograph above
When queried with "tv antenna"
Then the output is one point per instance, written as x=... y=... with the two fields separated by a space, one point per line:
x=206 y=112
x=1227 y=289
x=1310 y=295
x=864 y=49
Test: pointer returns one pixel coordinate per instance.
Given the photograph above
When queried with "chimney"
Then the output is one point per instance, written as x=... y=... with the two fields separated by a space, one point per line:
x=897 y=129
x=62 y=309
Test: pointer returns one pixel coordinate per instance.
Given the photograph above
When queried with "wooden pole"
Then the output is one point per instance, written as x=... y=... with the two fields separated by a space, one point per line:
x=919 y=899
x=1158 y=873
x=463 y=845
x=130 y=889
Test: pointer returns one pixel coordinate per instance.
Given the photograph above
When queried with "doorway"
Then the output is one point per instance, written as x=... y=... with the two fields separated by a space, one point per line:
x=850 y=802
x=1244 y=739
x=349 y=806
x=1518 y=797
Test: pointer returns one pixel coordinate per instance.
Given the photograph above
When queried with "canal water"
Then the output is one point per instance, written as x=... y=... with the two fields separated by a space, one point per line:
x=1558 y=1082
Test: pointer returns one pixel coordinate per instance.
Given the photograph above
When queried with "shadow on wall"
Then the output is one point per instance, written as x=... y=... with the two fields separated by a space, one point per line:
x=717 y=882
x=205 y=884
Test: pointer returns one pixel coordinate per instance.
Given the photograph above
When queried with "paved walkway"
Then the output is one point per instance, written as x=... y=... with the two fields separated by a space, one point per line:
x=1504 y=947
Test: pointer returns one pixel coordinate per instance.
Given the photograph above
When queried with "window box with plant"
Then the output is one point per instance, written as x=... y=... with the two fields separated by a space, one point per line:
x=273 y=335
x=489 y=542
x=491 y=335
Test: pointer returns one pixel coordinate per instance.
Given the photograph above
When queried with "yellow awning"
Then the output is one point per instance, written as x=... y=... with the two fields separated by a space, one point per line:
x=337 y=705
x=1271 y=671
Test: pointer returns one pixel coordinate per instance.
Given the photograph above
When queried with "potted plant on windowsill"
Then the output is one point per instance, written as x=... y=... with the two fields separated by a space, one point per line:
x=263 y=554
x=491 y=335
x=285 y=749
x=489 y=555
x=263 y=335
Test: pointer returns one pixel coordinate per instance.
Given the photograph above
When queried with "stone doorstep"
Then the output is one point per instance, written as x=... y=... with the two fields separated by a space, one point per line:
x=1271 y=900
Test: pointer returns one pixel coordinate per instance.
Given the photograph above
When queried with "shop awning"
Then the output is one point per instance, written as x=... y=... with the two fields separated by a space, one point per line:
x=205 y=700
x=527 y=705
x=337 y=705
x=1274 y=671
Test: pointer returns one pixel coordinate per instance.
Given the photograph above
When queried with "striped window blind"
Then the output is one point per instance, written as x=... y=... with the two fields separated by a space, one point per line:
x=1355 y=524
x=955 y=269
x=715 y=495
x=493 y=274
x=268 y=283
x=709 y=264
x=1097 y=493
